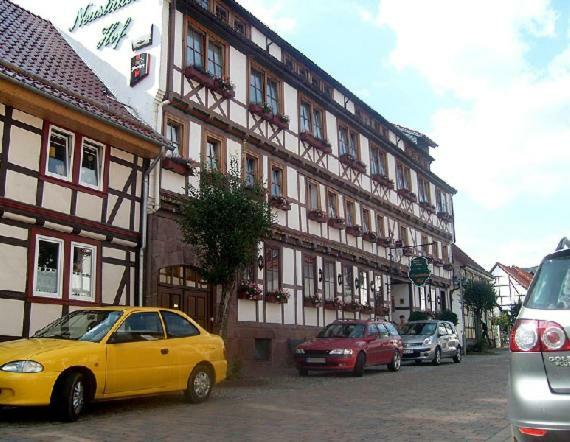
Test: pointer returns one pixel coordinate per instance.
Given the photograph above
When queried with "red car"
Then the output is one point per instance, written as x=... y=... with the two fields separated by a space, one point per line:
x=350 y=346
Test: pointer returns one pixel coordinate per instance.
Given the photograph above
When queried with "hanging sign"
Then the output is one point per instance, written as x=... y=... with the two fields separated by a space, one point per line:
x=419 y=271
x=140 y=67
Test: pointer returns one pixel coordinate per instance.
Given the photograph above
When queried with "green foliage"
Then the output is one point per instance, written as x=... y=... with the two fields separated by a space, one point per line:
x=418 y=315
x=515 y=309
x=479 y=296
x=447 y=315
x=224 y=220
x=503 y=321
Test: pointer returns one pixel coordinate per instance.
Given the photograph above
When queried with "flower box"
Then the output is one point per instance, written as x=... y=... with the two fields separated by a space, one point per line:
x=370 y=236
x=177 y=165
x=220 y=86
x=318 y=215
x=348 y=160
x=354 y=230
x=408 y=251
x=384 y=242
x=445 y=217
x=407 y=195
x=249 y=291
x=278 y=297
x=437 y=262
x=264 y=111
x=367 y=309
x=382 y=311
x=317 y=143
x=337 y=223
x=280 y=202
x=313 y=301
x=448 y=266
x=384 y=181
x=332 y=305
x=429 y=208
x=353 y=306
x=359 y=166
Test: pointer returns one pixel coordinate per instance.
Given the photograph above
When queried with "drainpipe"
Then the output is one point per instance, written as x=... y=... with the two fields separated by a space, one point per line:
x=144 y=209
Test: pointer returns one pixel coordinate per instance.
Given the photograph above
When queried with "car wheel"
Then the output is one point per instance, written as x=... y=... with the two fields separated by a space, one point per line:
x=68 y=399
x=457 y=357
x=199 y=385
x=418 y=362
x=303 y=371
x=396 y=362
x=437 y=358
x=359 y=366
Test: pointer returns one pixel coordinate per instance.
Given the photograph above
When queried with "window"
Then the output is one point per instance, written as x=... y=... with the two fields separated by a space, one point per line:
x=404 y=235
x=140 y=327
x=444 y=253
x=91 y=163
x=436 y=249
x=60 y=153
x=222 y=13
x=205 y=51
x=177 y=326
x=329 y=279
x=251 y=170
x=441 y=201
x=262 y=349
x=384 y=333
x=276 y=181
x=425 y=246
x=83 y=259
x=313 y=197
x=203 y=3
x=402 y=176
x=311 y=119
x=239 y=26
x=48 y=267
x=363 y=286
x=372 y=330
x=213 y=154
x=264 y=88
x=350 y=213
x=173 y=134
x=380 y=226
x=309 y=281
x=332 y=204
x=347 y=282
x=272 y=269
x=214 y=151
x=348 y=141
x=365 y=220
x=378 y=162
x=342 y=141
x=195 y=48
x=216 y=60
x=424 y=190
x=305 y=117
x=441 y=329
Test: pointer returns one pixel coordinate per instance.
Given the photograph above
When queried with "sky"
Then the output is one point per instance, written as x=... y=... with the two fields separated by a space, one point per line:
x=488 y=80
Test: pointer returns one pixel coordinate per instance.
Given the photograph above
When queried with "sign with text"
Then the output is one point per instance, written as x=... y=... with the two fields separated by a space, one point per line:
x=419 y=271
x=140 y=67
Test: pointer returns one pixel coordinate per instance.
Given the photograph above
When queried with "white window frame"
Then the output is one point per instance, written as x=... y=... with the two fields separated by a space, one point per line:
x=100 y=159
x=70 y=155
x=61 y=243
x=93 y=249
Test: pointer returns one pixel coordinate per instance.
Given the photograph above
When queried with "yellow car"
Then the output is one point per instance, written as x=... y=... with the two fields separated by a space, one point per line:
x=110 y=353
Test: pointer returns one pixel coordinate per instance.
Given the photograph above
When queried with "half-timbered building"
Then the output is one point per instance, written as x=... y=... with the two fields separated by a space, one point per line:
x=72 y=160
x=354 y=194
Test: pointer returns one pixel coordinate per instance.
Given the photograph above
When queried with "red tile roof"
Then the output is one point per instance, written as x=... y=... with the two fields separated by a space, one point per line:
x=518 y=274
x=34 y=54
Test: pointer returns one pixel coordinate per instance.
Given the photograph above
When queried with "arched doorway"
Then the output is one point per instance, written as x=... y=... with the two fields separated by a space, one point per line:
x=181 y=287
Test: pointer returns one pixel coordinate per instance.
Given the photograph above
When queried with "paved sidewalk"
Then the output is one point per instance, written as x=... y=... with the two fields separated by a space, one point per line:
x=453 y=402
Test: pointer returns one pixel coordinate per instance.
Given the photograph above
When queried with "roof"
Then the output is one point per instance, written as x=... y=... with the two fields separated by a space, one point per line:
x=518 y=274
x=417 y=137
x=463 y=259
x=35 y=55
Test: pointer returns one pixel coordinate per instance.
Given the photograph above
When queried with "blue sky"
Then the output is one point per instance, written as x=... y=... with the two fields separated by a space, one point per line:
x=489 y=81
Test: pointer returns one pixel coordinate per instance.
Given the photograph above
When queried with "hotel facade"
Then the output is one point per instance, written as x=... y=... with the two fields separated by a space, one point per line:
x=353 y=194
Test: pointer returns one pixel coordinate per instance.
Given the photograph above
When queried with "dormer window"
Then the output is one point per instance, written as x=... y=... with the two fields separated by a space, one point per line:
x=441 y=201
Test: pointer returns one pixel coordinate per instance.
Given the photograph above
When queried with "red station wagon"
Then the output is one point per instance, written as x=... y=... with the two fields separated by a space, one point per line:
x=350 y=346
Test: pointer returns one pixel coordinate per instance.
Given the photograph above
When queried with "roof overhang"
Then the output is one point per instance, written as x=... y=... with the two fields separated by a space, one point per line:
x=57 y=111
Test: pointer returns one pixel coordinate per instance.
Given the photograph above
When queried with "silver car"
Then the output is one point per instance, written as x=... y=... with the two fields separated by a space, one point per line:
x=430 y=341
x=539 y=381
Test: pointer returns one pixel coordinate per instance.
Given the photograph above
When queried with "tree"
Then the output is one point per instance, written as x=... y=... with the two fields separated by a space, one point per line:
x=447 y=315
x=419 y=315
x=479 y=296
x=224 y=219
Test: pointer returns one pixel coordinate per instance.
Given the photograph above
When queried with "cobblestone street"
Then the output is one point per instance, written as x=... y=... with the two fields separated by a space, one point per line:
x=464 y=401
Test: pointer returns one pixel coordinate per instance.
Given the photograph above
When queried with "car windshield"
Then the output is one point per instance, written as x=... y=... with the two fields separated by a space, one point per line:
x=418 y=328
x=81 y=325
x=343 y=331
x=551 y=288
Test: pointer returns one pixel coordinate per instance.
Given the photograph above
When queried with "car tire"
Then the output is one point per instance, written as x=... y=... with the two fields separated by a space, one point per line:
x=418 y=362
x=457 y=357
x=69 y=397
x=303 y=372
x=359 y=366
x=200 y=384
x=396 y=362
x=437 y=357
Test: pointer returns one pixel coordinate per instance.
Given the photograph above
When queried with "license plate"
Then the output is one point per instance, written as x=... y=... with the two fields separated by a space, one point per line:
x=315 y=360
x=407 y=352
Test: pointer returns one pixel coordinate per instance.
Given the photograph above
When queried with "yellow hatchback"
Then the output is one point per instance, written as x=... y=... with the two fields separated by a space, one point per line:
x=110 y=353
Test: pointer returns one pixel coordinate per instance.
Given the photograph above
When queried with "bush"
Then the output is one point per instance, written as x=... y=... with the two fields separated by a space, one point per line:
x=419 y=316
x=447 y=315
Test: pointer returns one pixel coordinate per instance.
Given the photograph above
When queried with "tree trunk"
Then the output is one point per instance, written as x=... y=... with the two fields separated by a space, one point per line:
x=477 y=326
x=221 y=324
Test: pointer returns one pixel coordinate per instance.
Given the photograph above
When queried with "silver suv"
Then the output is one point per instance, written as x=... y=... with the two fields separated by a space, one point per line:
x=539 y=381
x=430 y=341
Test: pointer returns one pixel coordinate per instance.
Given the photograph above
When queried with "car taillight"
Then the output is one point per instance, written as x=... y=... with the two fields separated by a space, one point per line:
x=530 y=335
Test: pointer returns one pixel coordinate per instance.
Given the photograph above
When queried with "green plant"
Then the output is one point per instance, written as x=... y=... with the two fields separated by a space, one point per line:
x=447 y=315
x=223 y=247
x=418 y=315
x=479 y=296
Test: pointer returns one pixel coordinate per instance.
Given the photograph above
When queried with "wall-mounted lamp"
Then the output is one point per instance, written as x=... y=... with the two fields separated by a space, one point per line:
x=320 y=275
x=339 y=278
x=438 y=300
x=372 y=284
x=357 y=283
x=260 y=262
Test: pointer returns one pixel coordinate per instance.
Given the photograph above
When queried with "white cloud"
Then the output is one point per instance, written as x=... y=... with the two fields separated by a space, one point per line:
x=510 y=136
x=274 y=13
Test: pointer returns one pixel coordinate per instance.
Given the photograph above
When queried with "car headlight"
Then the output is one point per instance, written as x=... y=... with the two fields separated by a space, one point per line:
x=300 y=351
x=22 y=367
x=341 y=351
x=428 y=341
